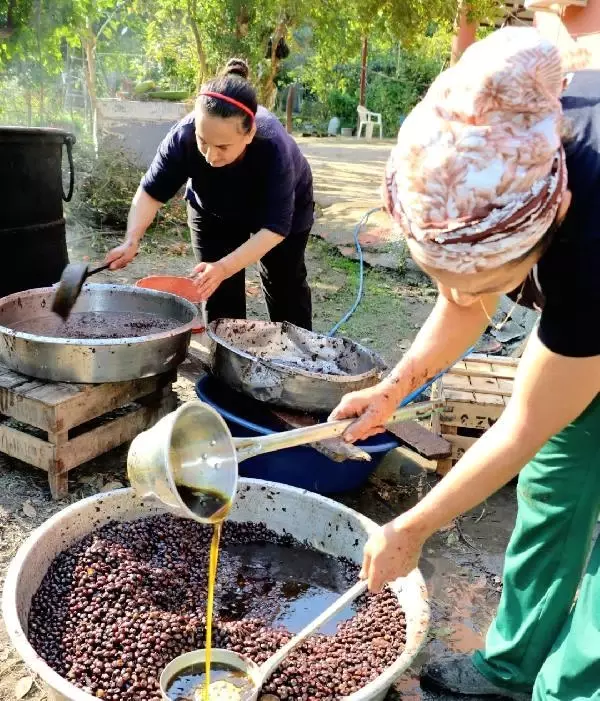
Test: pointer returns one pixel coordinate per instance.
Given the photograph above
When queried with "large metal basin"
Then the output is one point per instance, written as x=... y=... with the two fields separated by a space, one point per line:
x=323 y=523
x=284 y=365
x=95 y=360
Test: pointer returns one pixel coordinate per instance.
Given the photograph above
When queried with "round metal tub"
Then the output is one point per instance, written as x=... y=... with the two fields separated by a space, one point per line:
x=322 y=523
x=284 y=365
x=94 y=360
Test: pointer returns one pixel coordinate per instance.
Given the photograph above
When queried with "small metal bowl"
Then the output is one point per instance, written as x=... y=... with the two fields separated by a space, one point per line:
x=219 y=656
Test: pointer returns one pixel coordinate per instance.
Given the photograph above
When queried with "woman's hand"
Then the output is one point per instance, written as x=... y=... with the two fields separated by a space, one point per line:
x=122 y=255
x=392 y=551
x=373 y=406
x=208 y=277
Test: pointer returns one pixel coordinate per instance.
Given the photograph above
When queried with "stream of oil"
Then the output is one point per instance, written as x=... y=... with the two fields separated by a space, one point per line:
x=214 y=506
x=210 y=602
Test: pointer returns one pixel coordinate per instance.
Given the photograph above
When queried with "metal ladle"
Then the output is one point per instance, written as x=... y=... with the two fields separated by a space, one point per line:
x=193 y=447
x=257 y=674
x=69 y=286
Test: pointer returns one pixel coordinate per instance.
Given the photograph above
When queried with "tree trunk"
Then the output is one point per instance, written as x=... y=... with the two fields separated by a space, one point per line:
x=89 y=47
x=28 y=103
x=268 y=90
x=38 y=12
x=202 y=70
x=242 y=23
x=464 y=31
x=289 y=108
x=363 y=72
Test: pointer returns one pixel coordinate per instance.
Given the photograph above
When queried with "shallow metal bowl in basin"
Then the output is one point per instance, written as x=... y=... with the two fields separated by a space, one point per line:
x=132 y=333
x=320 y=522
x=285 y=365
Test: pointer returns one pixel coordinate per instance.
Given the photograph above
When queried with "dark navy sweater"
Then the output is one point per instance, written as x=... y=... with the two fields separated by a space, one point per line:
x=270 y=187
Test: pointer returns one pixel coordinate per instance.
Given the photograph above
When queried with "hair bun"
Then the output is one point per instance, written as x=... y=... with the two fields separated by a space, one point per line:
x=237 y=66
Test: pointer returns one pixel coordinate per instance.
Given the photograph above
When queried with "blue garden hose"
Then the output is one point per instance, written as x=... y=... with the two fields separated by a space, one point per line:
x=415 y=394
x=361 y=271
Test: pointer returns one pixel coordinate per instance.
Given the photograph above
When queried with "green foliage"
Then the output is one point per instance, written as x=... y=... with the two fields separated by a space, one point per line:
x=396 y=79
x=106 y=186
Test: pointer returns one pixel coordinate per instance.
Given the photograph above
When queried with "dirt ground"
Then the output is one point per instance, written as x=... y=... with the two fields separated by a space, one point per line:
x=462 y=565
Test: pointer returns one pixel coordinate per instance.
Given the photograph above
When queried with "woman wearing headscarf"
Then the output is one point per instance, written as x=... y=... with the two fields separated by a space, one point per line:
x=478 y=186
x=249 y=198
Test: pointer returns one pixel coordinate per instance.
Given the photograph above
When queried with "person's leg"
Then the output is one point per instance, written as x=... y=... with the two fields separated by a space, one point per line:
x=572 y=670
x=558 y=497
x=283 y=277
x=211 y=244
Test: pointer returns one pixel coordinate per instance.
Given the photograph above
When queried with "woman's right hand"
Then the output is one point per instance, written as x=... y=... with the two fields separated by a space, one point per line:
x=372 y=407
x=122 y=255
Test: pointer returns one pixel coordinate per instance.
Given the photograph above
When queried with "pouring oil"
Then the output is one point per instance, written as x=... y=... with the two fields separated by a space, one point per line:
x=228 y=684
x=210 y=602
x=214 y=506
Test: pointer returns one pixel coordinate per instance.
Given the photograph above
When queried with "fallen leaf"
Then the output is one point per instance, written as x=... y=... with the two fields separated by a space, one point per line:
x=109 y=486
x=23 y=687
x=28 y=509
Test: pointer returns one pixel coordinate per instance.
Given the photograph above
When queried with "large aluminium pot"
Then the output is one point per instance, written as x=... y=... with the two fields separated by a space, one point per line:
x=322 y=523
x=100 y=359
x=287 y=366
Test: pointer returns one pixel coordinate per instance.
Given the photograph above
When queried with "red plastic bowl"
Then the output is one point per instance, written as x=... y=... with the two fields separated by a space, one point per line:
x=176 y=285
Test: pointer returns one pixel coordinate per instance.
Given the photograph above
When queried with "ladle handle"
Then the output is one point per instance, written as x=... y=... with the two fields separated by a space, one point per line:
x=99 y=269
x=249 y=447
x=275 y=660
x=204 y=313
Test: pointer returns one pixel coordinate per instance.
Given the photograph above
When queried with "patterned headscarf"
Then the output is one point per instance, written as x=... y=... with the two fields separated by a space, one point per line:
x=478 y=172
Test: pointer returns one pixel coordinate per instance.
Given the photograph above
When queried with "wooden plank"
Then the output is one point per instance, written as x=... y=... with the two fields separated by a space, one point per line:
x=452 y=395
x=506 y=374
x=494 y=359
x=97 y=400
x=470 y=415
x=421 y=440
x=489 y=398
x=53 y=393
x=334 y=448
x=10 y=379
x=27 y=448
x=112 y=434
x=462 y=396
x=460 y=444
x=29 y=411
x=59 y=484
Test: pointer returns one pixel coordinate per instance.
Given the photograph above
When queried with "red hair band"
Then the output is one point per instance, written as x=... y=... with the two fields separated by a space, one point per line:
x=231 y=101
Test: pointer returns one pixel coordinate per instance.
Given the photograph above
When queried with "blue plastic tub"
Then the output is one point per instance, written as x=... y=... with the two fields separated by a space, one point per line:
x=300 y=467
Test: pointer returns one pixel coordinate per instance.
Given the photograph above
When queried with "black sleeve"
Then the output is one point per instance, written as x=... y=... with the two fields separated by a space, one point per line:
x=278 y=208
x=569 y=322
x=168 y=171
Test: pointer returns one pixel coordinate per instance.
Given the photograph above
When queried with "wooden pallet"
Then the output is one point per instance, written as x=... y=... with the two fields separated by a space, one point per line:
x=475 y=390
x=56 y=426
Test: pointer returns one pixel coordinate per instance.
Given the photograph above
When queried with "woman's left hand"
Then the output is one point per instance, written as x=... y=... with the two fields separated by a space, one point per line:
x=208 y=277
x=392 y=551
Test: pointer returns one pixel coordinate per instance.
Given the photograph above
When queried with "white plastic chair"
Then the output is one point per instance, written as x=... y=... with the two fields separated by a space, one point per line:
x=368 y=120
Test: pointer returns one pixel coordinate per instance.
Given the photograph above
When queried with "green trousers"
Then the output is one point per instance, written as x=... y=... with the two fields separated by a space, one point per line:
x=545 y=638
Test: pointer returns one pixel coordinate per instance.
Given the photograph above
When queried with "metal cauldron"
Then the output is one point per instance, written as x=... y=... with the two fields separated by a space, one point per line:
x=96 y=359
x=285 y=365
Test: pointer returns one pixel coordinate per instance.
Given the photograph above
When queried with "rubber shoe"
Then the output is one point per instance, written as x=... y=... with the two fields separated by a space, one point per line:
x=456 y=674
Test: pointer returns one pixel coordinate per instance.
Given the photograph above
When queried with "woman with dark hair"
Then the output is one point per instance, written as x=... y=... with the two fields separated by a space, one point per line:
x=477 y=185
x=249 y=197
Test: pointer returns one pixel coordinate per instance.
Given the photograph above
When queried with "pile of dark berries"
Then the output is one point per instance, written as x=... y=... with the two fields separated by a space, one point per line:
x=118 y=606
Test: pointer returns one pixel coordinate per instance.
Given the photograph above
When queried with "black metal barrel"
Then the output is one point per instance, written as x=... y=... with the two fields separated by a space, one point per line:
x=33 y=247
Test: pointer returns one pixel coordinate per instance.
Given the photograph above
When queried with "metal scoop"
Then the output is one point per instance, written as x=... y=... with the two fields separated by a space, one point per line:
x=69 y=287
x=257 y=675
x=193 y=448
